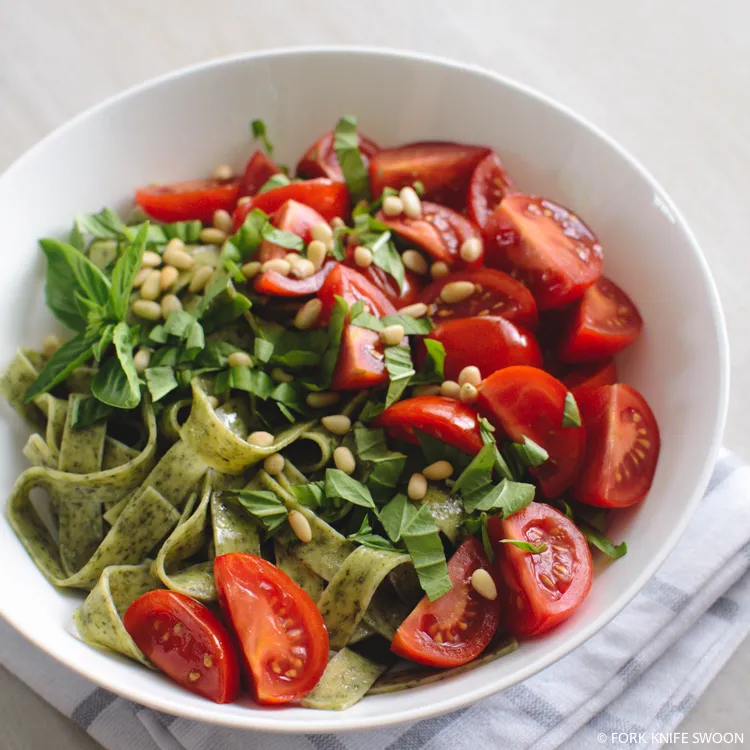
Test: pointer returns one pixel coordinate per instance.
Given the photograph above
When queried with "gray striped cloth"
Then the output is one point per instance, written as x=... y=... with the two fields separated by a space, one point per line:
x=641 y=673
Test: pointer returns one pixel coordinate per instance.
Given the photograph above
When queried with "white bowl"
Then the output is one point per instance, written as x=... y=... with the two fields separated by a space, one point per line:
x=182 y=125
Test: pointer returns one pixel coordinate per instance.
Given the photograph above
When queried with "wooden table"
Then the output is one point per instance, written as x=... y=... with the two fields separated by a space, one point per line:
x=669 y=79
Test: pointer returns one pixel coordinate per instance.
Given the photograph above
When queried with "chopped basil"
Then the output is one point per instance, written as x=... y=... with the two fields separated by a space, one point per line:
x=366 y=538
x=534 y=549
x=411 y=326
x=117 y=382
x=433 y=367
x=418 y=188
x=367 y=320
x=215 y=354
x=243 y=378
x=287 y=240
x=312 y=495
x=263 y=505
x=86 y=411
x=258 y=129
x=384 y=467
x=277 y=180
x=101 y=346
x=507 y=496
x=123 y=275
x=247 y=239
x=160 y=381
x=346 y=146
x=423 y=543
x=400 y=371
x=529 y=453
x=487 y=432
x=335 y=329
x=371 y=410
x=598 y=540
x=263 y=350
x=571 y=415
x=385 y=256
x=434 y=449
x=339 y=484
x=178 y=323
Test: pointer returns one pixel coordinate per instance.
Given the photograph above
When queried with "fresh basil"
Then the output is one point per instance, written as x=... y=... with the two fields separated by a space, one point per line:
x=507 y=496
x=262 y=505
x=400 y=371
x=287 y=240
x=601 y=542
x=86 y=410
x=396 y=516
x=411 y=326
x=433 y=367
x=346 y=146
x=178 y=322
x=339 y=484
x=529 y=453
x=366 y=538
x=105 y=339
x=371 y=410
x=335 y=330
x=243 y=378
x=571 y=414
x=423 y=543
x=248 y=238
x=195 y=339
x=534 y=549
x=475 y=480
x=263 y=350
x=258 y=129
x=277 y=180
x=487 y=433
x=385 y=256
x=383 y=466
x=160 y=381
x=106 y=224
x=124 y=273
x=367 y=320
x=435 y=449
x=117 y=382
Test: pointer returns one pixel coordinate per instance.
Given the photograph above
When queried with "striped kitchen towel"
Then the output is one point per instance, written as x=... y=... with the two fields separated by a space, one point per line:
x=641 y=673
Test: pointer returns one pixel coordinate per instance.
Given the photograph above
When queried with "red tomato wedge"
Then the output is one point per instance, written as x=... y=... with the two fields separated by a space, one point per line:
x=458 y=626
x=328 y=198
x=604 y=322
x=545 y=246
x=444 y=418
x=280 y=630
x=361 y=360
x=352 y=286
x=488 y=186
x=490 y=343
x=320 y=159
x=528 y=402
x=258 y=171
x=188 y=201
x=187 y=641
x=274 y=284
x=496 y=293
x=588 y=376
x=440 y=232
x=622 y=447
x=542 y=589
x=293 y=217
x=443 y=168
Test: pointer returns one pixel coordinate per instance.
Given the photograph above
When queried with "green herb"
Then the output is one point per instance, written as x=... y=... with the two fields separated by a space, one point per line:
x=487 y=432
x=85 y=411
x=529 y=453
x=248 y=238
x=123 y=275
x=367 y=320
x=371 y=410
x=195 y=339
x=476 y=479
x=418 y=188
x=178 y=323
x=295 y=349
x=433 y=367
x=258 y=128
x=411 y=326
x=105 y=339
x=400 y=371
x=396 y=516
x=485 y=536
x=384 y=466
x=385 y=256
x=160 y=381
x=263 y=505
x=338 y=484
x=277 y=180
x=534 y=549
x=312 y=495
x=106 y=224
x=335 y=330
x=287 y=240
x=243 y=378
x=263 y=350
x=571 y=415
x=601 y=542
x=434 y=449
x=506 y=496
x=423 y=544
x=346 y=146
x=366 y=538
x=117 y=382
x=216 y=354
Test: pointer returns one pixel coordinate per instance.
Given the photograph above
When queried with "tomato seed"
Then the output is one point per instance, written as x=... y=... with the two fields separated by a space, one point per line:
x=193 y=676
x=207 y=660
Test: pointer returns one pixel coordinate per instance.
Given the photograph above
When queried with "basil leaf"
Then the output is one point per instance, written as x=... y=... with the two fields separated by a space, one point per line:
x=160 y=381
x=487 y=433
x=277 y=180
x=106 y=224
x=117 y=382
x=178 y=323
x=534 y=549
x=400 y=371
x=195 y=339
x=124 y=273
x=507 y=496
x=385 y=256
x=311 y=495
x=218 y=285
x=287 y=240
x=88 y=278
x=226 y=312
x=423 y=544
x=384 y=467
x=76 y=238
x=242 y=378
x=248 y=237
x=366 y=320
x=371 y=410
x=167 y=356
x=187 y=231
x=263 y=350
x=530 y=453
x=434 y=449
x=341 y=485
x=346 y=146
x=335 y=329
x=100 y=347
x=485 y=535
x=158 y=334
x=571 y=415
x=396 y=516
x=371 y=444
x=366 y=538
x=263 y=505
x=216 y=354
x=86 y=410
x=418 y=186
x=258 y=128
x=433 y=368
x=601 y=542
x=411 y=326
x=476 y=478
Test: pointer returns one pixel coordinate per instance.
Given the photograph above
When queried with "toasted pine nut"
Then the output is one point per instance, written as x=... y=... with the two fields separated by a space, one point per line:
x=322 y=232
x=279 y=265
x=470 y=374
x=427 y=390
x=169 y=276
x=170 y=303
x=417 y=487
x=212 y=236
x=175 y=255
x=415 y=261
x=456 y=291
x=338 y=424
x=468 y=393
x=322 y=399
x=251 y=269
x=344 y=460
x=392 y=335
x=450 y=389
x=244 y=200
x=151 y=259
x=362 y=256
x=239 y=359
x=300 y=526
x=280 y=376
x=308 y=314
x=438 y=470
x=417 y=310
x=439 y=270
x=392 y=205
x=50 y=344
x=411 y=202
x=337 y=222
x=141 y=359
x=223 y=221
x=274 y=464
x=201 y=278
x=471 y=250
x=303 y=268
x=152 y=285
x=223 y=172
x=261 y=438
x=482 y=583
x=141 y=276
x=316 y=252
x=146 y=309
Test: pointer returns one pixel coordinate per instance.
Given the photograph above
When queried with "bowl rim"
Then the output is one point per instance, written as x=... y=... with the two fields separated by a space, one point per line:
x=268 y=722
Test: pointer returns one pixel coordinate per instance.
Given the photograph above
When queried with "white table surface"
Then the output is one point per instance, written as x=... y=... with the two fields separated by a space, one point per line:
x=669 y=79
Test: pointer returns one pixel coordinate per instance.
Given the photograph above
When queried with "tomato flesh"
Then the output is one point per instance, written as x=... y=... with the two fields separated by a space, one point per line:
x=458 y=626
x=293 y=217
x=588 y=376
x=604 y=322
x=187 y=641
x=528 y=402
x=361 y=360
x=622 y=446
x=188 y=201
x=275 y=284
x=545 y=246
x=320 y=159
x=258 y=172
x=444 y=418
x=488 y=186
x=280 y=630
x=352 y=286
x=542 y=589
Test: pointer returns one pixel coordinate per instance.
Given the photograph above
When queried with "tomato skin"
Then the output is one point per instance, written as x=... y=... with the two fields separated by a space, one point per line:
x=293 y=217
x=320 y=159
x=153 y=621
x=275 y=622
x=352 y=286
x=188 y=201
x=622 y=447
x=361 y=360
x=414 y=641
x=491 y=343
x=500 y=295
x=526 y=401
x=545 y=246
x=439 y=231
x=258 y=172
x=275 y=284
x=604 y=322
x=489 y=184
x=532 y=606
x=444 y=418
x=590 y=376
x=443 y=168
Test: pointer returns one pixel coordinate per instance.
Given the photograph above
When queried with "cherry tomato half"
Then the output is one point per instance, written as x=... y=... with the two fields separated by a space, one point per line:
x=320 y=159
x=361 y=360
x=622 y=446
x=528 y=402
x=542 y=589
x=188 y=201
x=275 y=284
x=352 y=286
x=488 y=186
x=545 y=246
x=187 y=641
x=458 y=626
x=293 y=217
x=444 y=418
x=258 y=172
x=279 y=628
x=588 y=376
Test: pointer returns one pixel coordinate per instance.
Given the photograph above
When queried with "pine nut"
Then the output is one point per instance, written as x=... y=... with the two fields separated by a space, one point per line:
x=450 y=389
x=362 y=256
x=151 y=259
x=470 y=374
x=274 y=464
x=392 y=205
x=251 y=269
x=261 y=438
x=338 y=424
x=482 y=583
x=322 y=400
x=50 y=344
x=200 y=279
x=170 y=303
x=239 y=359
x=212 y=236
x=140 y=277
x=316 y=252
x=411 y=202
x=244 y=200
x=417 y=487
x=146 y=309
x=280 y=376
x=307 y=316
x=337 y=222
x=468 y=393
x=279 y=265
x=141 y=359
x=300 y=526
x=303 y=268
x=322 y=232
x=175 y=255
x=392 y=335
x=152 y=285
x=417 y=310
x=223 y=172
x=223 y=221
x=438 y=471
x=415 y=261
x=343 y=458
x=471 y=250
x=456 y=291
x=169 y=276
x=426 y=390
x=439 y=270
